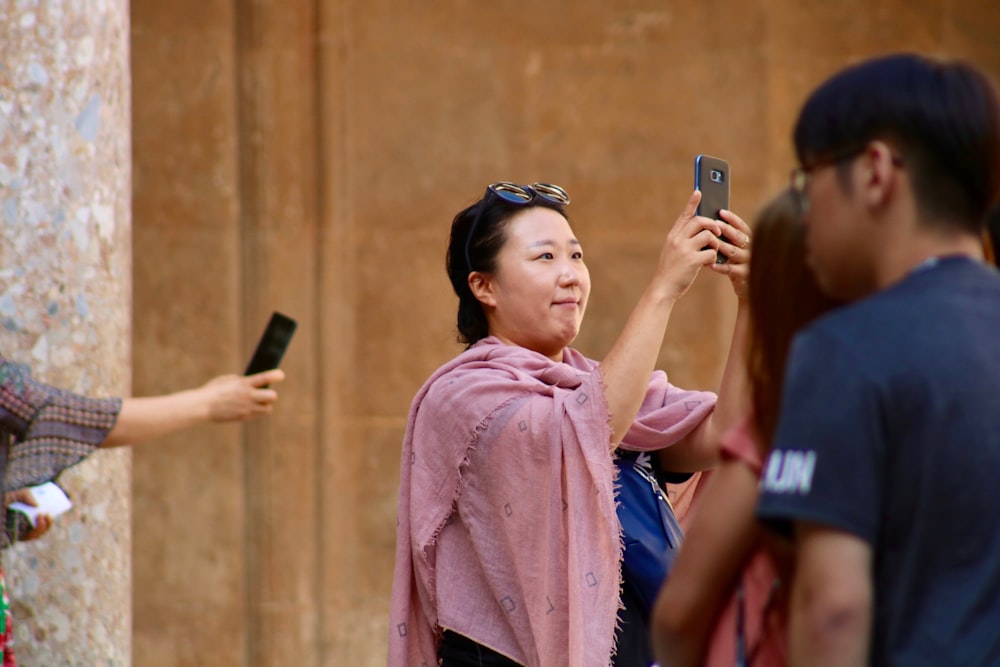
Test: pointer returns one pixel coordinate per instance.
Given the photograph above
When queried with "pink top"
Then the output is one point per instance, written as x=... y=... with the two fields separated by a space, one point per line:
x=506 y=492
x=765 y=623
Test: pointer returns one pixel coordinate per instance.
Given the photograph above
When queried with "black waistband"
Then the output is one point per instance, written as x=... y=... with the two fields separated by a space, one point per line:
x=460 y=651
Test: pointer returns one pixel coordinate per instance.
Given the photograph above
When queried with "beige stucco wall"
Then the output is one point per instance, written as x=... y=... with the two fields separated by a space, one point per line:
x=308 y=157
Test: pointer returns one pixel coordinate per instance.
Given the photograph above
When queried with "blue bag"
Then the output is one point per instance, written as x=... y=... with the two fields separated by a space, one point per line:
x=651 y=532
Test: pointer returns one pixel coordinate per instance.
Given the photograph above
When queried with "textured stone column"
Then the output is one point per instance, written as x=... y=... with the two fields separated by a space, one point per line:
x=65 y=281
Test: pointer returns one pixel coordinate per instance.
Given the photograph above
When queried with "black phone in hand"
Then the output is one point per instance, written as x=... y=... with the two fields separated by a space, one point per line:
x=272 y=345
x=711 y=176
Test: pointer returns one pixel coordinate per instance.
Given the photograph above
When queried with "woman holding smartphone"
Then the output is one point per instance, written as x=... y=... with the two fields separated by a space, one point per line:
x=508 y=548
x=44 y=430
x=724 y=602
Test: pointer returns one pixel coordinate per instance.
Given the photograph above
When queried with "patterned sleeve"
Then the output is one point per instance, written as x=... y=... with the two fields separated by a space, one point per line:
x=47 y=429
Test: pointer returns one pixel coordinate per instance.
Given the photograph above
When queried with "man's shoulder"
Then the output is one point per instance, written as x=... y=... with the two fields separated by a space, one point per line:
x=849 y=327
x=903 y=308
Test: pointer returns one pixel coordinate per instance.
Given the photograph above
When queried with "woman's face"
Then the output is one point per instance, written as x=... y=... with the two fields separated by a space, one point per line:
x=538 y=294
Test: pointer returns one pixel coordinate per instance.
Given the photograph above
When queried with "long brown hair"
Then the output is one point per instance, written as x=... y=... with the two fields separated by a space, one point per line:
x=991 y=236
x=783 y=297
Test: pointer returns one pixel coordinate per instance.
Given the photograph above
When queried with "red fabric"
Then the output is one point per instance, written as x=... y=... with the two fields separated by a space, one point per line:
x=765 y=614
x=7 y=638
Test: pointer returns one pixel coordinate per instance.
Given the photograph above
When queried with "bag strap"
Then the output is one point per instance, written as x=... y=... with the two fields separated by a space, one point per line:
x=741 y=634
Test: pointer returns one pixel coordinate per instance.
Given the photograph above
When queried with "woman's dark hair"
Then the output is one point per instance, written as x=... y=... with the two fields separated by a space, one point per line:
x=993 y=235
x=944 y=117
x=489 y=216
x=783 y=298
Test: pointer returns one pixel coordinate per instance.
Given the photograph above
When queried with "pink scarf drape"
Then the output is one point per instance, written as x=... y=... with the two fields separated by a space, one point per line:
x=518 y=446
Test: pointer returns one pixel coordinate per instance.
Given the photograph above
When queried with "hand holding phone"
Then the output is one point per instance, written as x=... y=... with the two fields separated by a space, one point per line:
x=22 y=521
x=49 y=499
x=711 y=177
x=272 y=345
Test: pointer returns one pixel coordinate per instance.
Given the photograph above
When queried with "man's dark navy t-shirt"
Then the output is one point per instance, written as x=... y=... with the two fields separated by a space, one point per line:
x=890 y=430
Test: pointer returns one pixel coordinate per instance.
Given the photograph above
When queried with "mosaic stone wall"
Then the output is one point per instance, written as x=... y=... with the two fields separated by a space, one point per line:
x=65 y=281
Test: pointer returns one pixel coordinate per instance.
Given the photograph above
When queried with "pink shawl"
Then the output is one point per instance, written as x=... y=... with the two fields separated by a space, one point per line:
x=518 y=446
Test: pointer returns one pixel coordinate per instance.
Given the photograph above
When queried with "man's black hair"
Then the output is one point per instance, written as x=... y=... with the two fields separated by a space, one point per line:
x=943 y=117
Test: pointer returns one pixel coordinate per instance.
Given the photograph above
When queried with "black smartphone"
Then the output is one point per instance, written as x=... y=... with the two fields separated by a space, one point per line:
x=711 y=176
x=272 y=345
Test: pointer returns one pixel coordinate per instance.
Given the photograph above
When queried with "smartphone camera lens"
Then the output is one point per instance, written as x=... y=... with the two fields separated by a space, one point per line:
x=716 y=176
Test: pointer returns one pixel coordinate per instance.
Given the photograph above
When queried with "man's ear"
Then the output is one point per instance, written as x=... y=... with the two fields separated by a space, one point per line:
x=481 y=285
x=880 y=174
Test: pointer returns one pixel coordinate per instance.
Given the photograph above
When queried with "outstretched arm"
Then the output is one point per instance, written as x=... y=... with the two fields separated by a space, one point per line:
x=628 y=365
x=699 y=450
x=225 y=398
x=721 y=537
x=831 y=609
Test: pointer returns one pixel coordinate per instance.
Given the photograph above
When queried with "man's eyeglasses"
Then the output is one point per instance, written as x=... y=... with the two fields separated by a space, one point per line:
x=799 y=178
x=520 y=195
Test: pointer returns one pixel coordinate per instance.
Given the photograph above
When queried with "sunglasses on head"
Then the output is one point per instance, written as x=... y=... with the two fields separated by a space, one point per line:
x=512 y=193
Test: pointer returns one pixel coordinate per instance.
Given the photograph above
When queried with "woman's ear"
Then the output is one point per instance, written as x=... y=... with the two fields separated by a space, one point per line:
x=481 y=285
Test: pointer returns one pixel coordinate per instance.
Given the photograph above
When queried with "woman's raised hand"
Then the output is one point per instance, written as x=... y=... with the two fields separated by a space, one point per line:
x=736 y=248
x=691 y=244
